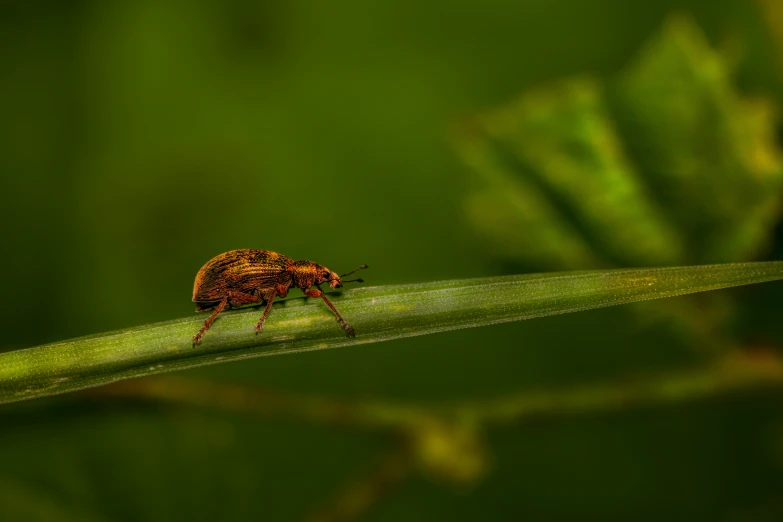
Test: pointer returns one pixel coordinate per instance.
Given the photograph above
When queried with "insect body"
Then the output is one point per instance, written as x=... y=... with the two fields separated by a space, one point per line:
x=246 y=276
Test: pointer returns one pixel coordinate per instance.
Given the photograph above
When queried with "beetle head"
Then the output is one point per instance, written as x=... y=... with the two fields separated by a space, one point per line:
x=324 y=275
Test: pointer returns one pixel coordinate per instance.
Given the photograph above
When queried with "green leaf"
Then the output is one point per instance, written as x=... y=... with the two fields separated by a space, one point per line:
x=663 y=164
x=504 y=204
x=666 y=163
x=711 y=155
x=563 y=138
x=378 y=313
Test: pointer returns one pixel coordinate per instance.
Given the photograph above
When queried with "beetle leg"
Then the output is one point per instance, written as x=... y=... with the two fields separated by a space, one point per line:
x=237 y=299
x=270 y=297
x=210 y=320
x=349 y=331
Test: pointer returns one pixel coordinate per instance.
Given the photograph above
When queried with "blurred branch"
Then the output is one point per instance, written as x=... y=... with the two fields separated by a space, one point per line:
x=379 y=314
x=247 y=399
x=445 y=441
x=358 y=497
x=742 y=371
x=734 y=373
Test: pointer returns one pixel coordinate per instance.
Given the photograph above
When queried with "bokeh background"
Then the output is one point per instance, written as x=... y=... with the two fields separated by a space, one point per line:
x=430 y=140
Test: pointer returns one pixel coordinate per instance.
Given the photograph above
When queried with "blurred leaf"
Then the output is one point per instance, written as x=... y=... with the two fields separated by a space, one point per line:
x=518 y=218
x=564 y=139
x=666 y=164
x=710 y=155
x=381 y=313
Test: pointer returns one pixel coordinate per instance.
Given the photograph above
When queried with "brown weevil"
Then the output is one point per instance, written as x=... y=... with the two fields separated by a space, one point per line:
x=246 y=276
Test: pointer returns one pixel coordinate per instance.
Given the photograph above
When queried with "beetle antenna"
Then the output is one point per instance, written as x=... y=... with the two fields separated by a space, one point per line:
x=354 y=281
x=352 y=271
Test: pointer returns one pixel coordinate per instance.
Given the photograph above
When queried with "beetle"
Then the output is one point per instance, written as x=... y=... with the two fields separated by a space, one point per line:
x=246 y=276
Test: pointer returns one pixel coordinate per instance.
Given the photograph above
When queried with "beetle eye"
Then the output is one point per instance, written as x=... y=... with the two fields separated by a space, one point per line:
x=325 y=275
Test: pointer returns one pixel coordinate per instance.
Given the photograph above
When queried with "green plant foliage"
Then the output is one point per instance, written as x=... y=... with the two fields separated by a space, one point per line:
x=666 y=163
x=710 y=155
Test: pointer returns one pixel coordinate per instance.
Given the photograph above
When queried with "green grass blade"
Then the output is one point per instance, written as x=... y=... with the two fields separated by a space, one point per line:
x=377 y=313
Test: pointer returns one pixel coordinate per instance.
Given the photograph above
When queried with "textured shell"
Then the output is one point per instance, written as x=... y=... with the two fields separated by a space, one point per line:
x=245 y=270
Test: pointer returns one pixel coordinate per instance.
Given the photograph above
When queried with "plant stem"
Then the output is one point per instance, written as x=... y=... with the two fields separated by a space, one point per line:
x=734 y=372
x=378 y=313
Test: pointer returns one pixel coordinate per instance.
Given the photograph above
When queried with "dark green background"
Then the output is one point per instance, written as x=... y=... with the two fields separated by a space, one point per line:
x=139 y=139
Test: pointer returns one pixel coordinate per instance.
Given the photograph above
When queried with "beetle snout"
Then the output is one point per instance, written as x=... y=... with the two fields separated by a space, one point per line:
x=335 y=281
